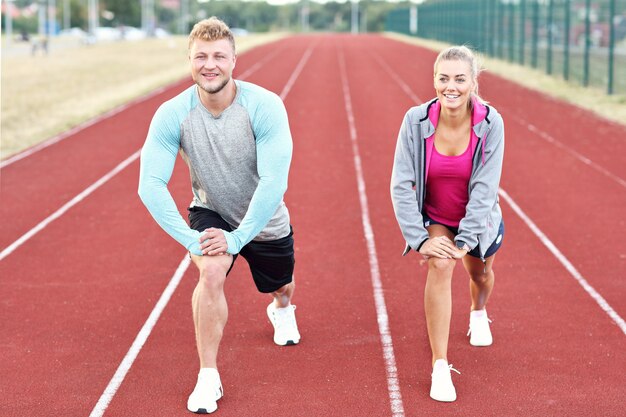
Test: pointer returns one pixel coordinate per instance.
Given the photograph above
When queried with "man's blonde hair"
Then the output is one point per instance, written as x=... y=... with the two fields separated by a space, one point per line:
x=211 y=29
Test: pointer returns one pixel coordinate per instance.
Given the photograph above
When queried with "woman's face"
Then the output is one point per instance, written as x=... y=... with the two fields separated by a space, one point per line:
x=454 y=83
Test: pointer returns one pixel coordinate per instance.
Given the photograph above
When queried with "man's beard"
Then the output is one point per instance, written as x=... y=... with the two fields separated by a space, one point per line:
x=213 y=90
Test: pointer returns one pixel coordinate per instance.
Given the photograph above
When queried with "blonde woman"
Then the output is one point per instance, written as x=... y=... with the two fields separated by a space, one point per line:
x=444 y=189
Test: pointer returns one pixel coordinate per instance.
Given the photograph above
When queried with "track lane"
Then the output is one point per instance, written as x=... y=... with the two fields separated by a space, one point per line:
x=338 y=365
x=77 y=297
x=566 y=341
x=564 y=363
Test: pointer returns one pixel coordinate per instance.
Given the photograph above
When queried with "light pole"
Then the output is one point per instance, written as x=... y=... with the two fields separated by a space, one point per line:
x=355 y=17
x=66 y=14
x=8 y=20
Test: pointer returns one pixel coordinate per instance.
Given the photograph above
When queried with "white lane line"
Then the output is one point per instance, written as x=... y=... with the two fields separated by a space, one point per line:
x=9 y=249
x=393 y=385
x=254 y=68
x=144 y=333
x=140 y=340
x=404 y=86
x=296 y=72
x=80 y=197
x=553 y=249
x=604 y=305
x=548 y=138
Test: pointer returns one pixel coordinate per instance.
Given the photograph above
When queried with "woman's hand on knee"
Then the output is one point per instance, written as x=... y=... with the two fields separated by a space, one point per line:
x=439 y=247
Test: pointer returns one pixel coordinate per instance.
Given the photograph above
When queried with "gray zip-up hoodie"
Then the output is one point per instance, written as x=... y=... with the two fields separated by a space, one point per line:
x=479 y=226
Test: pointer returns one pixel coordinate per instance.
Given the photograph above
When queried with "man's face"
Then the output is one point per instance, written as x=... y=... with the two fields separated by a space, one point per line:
x=212 y=64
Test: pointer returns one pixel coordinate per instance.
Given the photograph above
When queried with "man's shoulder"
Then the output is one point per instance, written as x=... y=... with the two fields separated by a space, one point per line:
x=253 y=94
x=179 y=105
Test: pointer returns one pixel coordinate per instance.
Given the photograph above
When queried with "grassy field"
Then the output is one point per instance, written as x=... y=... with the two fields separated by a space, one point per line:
x=46 y=95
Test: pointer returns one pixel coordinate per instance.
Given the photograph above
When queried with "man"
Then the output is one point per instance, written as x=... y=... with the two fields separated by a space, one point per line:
x=235 y=138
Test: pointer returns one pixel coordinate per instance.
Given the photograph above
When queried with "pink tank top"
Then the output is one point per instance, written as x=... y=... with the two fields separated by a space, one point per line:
x=447 y=177
x=446 y=193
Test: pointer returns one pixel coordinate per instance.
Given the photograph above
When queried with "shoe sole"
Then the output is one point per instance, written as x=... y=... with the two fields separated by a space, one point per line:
x=476 y=344
x=447 y=400
x=204 y=410
x=287 y=343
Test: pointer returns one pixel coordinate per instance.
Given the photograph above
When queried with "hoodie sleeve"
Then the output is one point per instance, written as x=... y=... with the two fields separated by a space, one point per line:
x=484 y=184
x=403 y=181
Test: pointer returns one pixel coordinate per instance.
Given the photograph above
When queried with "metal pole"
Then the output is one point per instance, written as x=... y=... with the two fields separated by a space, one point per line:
x=522 y=33
x=144 y=17
x=8 y=21
x=611 y=46
x=52 y=20
x=93 y=17
x=550 y=32
x=568 y=15
x=511 y=32
x=184 y=17
x=587 y=42
x=533 y=53
x=66 y=14
x=41 y=15
x=304 y=17
x=355 y=17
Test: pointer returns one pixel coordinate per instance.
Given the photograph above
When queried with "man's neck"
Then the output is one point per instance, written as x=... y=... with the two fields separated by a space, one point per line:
x=218 y=102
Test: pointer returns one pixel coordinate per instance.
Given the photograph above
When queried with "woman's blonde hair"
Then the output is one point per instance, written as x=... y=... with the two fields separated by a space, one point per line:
x=465 y=54
x=211 y=29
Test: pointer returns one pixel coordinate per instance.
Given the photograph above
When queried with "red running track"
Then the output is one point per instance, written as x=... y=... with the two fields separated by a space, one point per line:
x=76 y=293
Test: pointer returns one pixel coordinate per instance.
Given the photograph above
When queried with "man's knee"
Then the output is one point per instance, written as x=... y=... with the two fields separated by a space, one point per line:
x=212 y=274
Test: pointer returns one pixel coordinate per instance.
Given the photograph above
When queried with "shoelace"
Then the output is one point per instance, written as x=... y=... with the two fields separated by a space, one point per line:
x=283 y=317
x=469 y=331
x=452 y=369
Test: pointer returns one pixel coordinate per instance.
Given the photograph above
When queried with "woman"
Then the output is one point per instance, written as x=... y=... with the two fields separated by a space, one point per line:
x=444 y=189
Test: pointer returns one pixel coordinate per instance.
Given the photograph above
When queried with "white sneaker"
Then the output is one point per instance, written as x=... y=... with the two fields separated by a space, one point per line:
x=203 y=399
x=441 y=388
x=285 y=326
x=479 y=332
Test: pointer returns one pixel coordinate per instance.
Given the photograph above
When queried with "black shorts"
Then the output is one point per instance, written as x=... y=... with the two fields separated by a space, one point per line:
x=493 y=248
x=271 y=262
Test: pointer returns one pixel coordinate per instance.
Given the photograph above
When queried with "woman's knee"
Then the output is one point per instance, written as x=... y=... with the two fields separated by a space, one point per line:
x=481 y=276
x=441 y=265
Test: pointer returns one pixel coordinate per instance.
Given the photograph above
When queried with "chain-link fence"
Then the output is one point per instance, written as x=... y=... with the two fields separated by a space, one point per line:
x=582 y=41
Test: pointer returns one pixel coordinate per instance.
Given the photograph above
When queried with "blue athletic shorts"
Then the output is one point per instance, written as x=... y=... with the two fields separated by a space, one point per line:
x=495 y=245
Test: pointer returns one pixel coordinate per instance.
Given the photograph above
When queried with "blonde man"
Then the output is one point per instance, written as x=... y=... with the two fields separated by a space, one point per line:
x=235 y=138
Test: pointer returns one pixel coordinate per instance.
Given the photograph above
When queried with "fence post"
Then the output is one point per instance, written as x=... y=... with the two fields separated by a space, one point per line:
x=611 y=46
x=522 y=32
x=587 y=42
x=533 y=53
x=566 y=40
x=511 y=32
x=492 y=27
x=550 y=37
